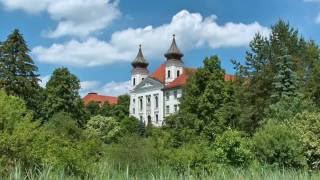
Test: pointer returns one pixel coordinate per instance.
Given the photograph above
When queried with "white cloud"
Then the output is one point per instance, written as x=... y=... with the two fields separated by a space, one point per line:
x=110 y=89
x=29 y=6
x=75 y=17
x=44 y=80
x=192 y=30
x=115 y=88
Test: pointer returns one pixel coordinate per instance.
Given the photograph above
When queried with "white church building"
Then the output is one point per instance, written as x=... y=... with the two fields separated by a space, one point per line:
x=155 y=96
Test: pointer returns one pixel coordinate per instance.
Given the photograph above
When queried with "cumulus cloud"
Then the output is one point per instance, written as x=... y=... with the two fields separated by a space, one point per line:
x=43 y=80
x=192 y=30
x=110 y=89
x=75 y=17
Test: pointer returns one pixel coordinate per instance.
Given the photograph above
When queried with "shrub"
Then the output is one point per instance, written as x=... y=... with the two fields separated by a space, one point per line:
x=107 y=128
x=232 y=149
x=277 y=144
x=307 y=126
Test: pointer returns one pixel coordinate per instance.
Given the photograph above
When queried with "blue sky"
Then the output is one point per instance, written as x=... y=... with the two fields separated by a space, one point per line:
x=97 y=39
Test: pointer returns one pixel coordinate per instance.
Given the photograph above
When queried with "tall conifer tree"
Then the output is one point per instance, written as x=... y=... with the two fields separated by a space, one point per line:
x=18 y=72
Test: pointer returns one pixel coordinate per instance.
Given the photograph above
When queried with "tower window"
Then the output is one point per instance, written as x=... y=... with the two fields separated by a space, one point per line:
x=141 y=104
x=175 y=108
x=169 y=74
x=178 y=73
x=167 y=109
x=156 y=101
x=134 y=81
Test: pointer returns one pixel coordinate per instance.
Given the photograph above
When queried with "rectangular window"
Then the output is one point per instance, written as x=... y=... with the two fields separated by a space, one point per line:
x=134 y=81
x=169 y=74
x=175 y=92
x=140 y=103
x=178 y=73
x=134 y=110
x=157 y=118
x=156 y=101
x=167 y=109
x=148 y=100
x=167 y=96
x=175 y=108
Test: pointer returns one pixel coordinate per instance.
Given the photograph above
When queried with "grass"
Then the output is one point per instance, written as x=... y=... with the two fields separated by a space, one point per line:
x=106 y=171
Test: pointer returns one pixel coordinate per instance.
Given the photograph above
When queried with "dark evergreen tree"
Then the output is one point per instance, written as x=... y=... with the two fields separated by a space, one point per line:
x=285 y=82
x=18 y=73
x=62 y=95
x=266 y=66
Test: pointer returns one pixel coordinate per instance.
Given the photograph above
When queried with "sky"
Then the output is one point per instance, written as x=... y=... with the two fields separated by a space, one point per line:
x=98 y=39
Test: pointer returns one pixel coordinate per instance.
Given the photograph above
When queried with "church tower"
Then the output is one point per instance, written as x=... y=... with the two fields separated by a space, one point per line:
x=139 y=71
x=174 y=63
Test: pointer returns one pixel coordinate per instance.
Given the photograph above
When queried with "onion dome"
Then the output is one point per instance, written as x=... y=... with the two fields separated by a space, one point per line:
x=140 y=61
x=174 y=52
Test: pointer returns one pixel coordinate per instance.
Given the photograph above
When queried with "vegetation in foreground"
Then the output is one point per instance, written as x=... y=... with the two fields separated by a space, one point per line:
x=263 y=125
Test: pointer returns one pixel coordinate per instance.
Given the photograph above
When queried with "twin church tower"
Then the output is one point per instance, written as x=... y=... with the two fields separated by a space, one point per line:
x=155 y=96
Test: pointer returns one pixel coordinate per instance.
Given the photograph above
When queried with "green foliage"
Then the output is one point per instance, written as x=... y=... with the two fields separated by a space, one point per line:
x=130 y=125
x=106 y=128
x=93 y=108
x=232 y=149
x=119 y=111
x=12 y=111
x=18 y=73
x=287 y=107
x=285 y=81
x=307 y=125
x=134 y=152
x=279 y=65
x=204 y=103
x=277 y=144
x=62 y=95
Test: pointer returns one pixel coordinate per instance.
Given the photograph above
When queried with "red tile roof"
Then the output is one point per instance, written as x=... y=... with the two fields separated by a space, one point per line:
x=160 y=73
x=94 y=97
x=181 y=80
x=229 y=77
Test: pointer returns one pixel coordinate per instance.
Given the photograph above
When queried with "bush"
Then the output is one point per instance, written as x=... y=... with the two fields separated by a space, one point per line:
x=130 y=125
x=288 y=107
x=307 y=126
x=277 y=144
x=106 y=128
x=232 y=149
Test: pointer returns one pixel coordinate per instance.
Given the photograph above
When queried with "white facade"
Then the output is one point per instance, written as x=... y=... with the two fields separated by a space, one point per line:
x=150 y=103
x=152 y=98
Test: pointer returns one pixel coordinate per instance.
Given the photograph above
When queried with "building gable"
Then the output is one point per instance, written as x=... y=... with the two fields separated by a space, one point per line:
x=148 y=84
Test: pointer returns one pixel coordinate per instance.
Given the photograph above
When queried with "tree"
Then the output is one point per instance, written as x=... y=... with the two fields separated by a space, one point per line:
x=203 y=104
x=93 y=108
x=62 y=95
x=18 y=73
x=271 y=69
x=285 y=82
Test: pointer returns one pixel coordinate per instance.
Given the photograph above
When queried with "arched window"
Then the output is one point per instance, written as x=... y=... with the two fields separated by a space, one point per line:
x=178 y=73
x=134 y=81
x=169 y=74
